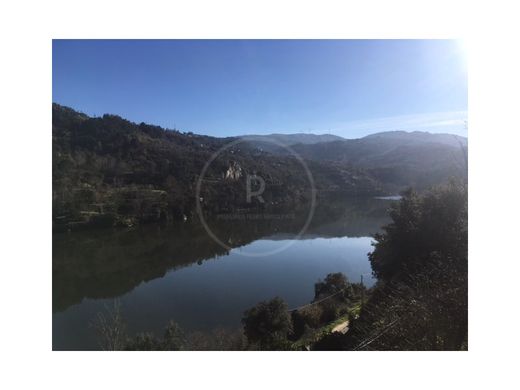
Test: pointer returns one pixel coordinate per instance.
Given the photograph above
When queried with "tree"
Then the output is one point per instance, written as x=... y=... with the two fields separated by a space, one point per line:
x=421 y=260
x=111 y=327
x=174 y=338
x=335 y=283
x=143 y=342
x=433 y=222
x=268 y=324
x=304 y=319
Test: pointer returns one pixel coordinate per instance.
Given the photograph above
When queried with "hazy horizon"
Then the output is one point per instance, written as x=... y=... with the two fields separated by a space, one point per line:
x=269 y=133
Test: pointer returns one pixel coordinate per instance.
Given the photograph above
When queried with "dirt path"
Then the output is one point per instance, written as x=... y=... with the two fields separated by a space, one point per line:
x=342 y=328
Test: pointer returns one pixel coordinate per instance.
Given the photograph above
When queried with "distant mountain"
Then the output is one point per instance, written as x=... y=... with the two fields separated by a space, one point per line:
x=395 y=158
x=273 y=142
x=293 y=139
x=419 y=137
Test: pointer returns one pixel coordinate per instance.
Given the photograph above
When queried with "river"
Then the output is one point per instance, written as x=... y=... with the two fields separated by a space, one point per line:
x=180 y=273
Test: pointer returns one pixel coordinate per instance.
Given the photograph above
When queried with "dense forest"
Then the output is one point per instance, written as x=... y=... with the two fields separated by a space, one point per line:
x=396 y=159
x=108 y=171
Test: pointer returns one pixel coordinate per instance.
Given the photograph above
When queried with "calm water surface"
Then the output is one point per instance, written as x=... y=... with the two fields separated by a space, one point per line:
x=180 y=273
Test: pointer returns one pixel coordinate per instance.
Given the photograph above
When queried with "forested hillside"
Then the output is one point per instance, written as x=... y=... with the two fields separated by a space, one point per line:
x=108 y=171
x=397 y=159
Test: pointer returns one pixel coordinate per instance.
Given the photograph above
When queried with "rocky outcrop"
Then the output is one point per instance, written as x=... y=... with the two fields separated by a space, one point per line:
x=234 y=171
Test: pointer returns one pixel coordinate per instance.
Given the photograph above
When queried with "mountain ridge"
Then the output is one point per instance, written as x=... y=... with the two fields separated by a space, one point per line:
x=290 y=139
x=108 y=171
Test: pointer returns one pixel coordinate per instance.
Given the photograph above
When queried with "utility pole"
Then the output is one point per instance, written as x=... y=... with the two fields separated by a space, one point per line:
x=362 y=292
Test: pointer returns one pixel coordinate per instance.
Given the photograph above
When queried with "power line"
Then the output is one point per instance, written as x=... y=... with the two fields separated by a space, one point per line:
x=319 y=301
x=366 y=343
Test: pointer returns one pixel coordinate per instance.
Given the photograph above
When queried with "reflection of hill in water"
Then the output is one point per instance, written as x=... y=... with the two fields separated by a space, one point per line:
x=109 y=263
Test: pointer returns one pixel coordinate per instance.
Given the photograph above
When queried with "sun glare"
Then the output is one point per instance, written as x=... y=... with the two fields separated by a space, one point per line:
x=463 y=47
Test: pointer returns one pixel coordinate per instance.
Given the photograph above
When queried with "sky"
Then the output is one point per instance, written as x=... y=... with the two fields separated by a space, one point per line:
x=350 y=88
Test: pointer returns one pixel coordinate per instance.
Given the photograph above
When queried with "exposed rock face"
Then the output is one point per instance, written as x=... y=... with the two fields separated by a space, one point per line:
x=234 y=171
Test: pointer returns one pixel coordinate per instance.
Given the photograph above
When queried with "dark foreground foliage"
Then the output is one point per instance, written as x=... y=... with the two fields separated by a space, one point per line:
x=421 y=301
x=112 y=335
x=269 y=325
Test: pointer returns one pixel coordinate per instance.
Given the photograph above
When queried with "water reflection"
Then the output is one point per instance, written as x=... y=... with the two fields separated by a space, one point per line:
x=91 y=267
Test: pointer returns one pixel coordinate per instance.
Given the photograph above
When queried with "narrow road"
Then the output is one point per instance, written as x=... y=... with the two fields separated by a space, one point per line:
x=342 y=328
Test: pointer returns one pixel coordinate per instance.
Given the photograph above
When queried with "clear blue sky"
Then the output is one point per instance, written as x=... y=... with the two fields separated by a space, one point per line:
x=232 y=87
